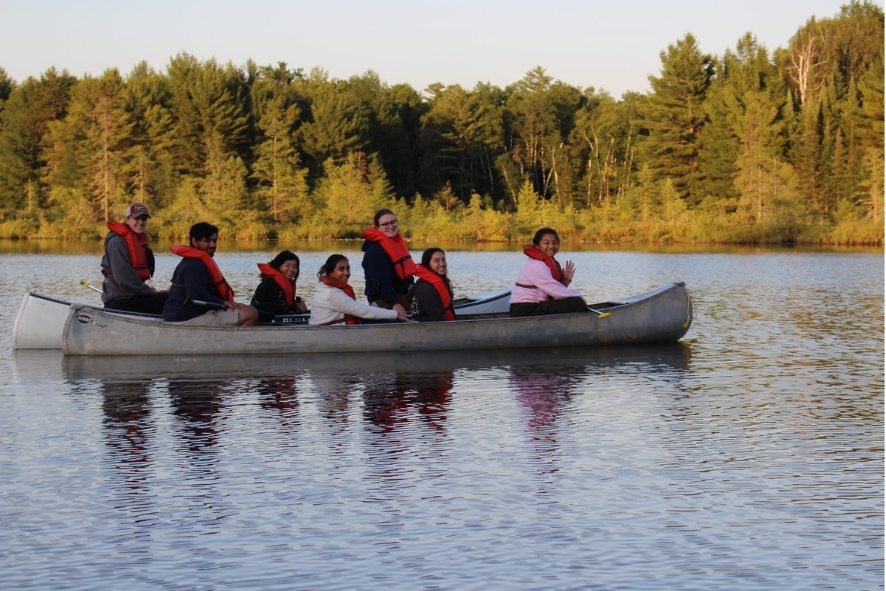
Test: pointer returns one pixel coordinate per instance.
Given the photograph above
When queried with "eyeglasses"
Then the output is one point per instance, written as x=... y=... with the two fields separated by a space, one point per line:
x=390 y=224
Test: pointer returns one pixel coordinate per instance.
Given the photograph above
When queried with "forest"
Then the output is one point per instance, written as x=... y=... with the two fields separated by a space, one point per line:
x=752 y=146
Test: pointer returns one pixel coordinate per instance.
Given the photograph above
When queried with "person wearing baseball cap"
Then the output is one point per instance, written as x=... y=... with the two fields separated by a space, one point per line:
x=128 y=263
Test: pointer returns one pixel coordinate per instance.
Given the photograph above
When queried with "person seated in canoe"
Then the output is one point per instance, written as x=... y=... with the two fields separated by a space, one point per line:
x=127 y=263
x=197 y=279
x=543 y=285
x=335 y=302
x=387 y=266
x=432 y=293
x=275 y=295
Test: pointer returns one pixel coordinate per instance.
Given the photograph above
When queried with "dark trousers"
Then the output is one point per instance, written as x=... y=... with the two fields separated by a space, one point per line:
x=151 y=304
x=564 y=306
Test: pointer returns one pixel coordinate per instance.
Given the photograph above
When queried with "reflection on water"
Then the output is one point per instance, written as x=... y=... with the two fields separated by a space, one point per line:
x=750 y=455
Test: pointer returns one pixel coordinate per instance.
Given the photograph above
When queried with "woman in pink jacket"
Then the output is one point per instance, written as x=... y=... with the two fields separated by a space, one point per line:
x=543 y=285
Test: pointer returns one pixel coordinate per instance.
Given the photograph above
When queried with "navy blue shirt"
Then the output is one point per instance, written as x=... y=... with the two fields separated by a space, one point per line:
x=382 y=281
x=190 y=281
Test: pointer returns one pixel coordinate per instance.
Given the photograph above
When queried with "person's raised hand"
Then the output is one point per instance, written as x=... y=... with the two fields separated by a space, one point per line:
x=569 y=271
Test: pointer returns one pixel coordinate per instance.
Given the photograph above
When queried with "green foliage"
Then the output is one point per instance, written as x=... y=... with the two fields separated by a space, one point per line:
x=749 y=146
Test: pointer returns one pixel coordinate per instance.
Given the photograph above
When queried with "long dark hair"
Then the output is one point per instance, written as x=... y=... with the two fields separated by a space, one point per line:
x=286 y=255
x=329 y=266
x=541 y=234
x=426 y=263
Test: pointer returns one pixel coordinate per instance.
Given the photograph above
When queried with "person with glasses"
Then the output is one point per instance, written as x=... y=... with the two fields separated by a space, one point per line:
x=128 y=263
x=387 y=265
x=198 y=279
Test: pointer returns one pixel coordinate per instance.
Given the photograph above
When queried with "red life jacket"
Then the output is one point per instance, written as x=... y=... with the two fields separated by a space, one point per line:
x=534 y=253
x=426 y=274
x=396 y=250
x=282 y=280
x=349 y=291
x=137 y=244
x=225 y=291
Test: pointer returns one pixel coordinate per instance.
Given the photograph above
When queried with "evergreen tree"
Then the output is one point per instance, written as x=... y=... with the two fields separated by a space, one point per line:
x=283 y=186
x=151 y=168
x=27 y=113
x=337 y=123
x=675 y=116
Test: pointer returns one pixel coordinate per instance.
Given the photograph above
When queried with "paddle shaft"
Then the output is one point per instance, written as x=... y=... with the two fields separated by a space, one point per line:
x=91 y=286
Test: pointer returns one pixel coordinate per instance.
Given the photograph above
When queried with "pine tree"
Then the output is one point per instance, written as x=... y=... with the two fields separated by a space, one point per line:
x=336 y=123
x=283 y=186
x=675 y=116
x=27 y=113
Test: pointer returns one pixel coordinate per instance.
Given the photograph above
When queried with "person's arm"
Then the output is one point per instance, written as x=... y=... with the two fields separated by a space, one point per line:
x=340 y=302
x=541 y=277
x=381 y=273
x=429 y=304
x=197 y=280
x=121 y=267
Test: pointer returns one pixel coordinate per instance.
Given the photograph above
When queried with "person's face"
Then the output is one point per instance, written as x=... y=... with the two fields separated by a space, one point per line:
x=290 y=269
x=207 y=245
x=549 y=244
x=342 y=271
x=137 y=225
x=388 y=225
x=438 y=263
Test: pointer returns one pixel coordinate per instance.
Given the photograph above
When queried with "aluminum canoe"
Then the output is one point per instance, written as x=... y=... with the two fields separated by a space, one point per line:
x=659 y=316
x=41 y=319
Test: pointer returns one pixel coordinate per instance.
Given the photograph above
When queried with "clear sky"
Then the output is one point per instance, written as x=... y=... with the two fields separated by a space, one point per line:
x=608 y=45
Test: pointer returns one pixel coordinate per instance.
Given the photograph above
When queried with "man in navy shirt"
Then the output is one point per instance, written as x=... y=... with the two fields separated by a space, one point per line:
x=198 y=279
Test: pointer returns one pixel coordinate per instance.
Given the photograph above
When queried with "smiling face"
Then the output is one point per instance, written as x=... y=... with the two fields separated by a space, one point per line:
x=290 y=269
x=437 y=264
x=207 y=245
x=388 y=226
x=342 y=271
x=138 y=224
x=549 y=244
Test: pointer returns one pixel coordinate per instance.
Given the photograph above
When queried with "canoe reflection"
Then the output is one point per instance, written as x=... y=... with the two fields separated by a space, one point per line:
x=345 y=371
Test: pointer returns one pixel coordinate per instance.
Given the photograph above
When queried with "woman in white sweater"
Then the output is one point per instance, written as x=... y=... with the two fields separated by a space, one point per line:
x=335 y=302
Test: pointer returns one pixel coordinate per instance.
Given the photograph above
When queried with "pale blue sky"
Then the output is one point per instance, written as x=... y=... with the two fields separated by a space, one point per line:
x=608 y=45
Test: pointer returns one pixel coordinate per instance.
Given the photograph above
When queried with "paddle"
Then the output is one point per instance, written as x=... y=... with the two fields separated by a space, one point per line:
x=82 y=282
x=599 y=313
x=204 y=304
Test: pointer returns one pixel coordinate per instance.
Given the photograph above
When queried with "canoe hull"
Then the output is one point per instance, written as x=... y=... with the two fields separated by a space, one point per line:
x=39 y=323
x=663 y=315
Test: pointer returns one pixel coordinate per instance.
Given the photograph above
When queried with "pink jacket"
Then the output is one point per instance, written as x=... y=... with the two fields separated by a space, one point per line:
x=537 y=273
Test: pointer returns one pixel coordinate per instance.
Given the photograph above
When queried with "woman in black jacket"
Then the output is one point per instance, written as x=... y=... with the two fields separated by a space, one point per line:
x=432 y=294
x=275 y=295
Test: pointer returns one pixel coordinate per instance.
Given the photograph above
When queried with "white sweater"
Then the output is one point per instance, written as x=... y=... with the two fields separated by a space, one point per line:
x=331 y=303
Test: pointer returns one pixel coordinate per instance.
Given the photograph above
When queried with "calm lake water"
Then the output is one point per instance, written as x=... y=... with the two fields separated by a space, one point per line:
x=747 y=456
